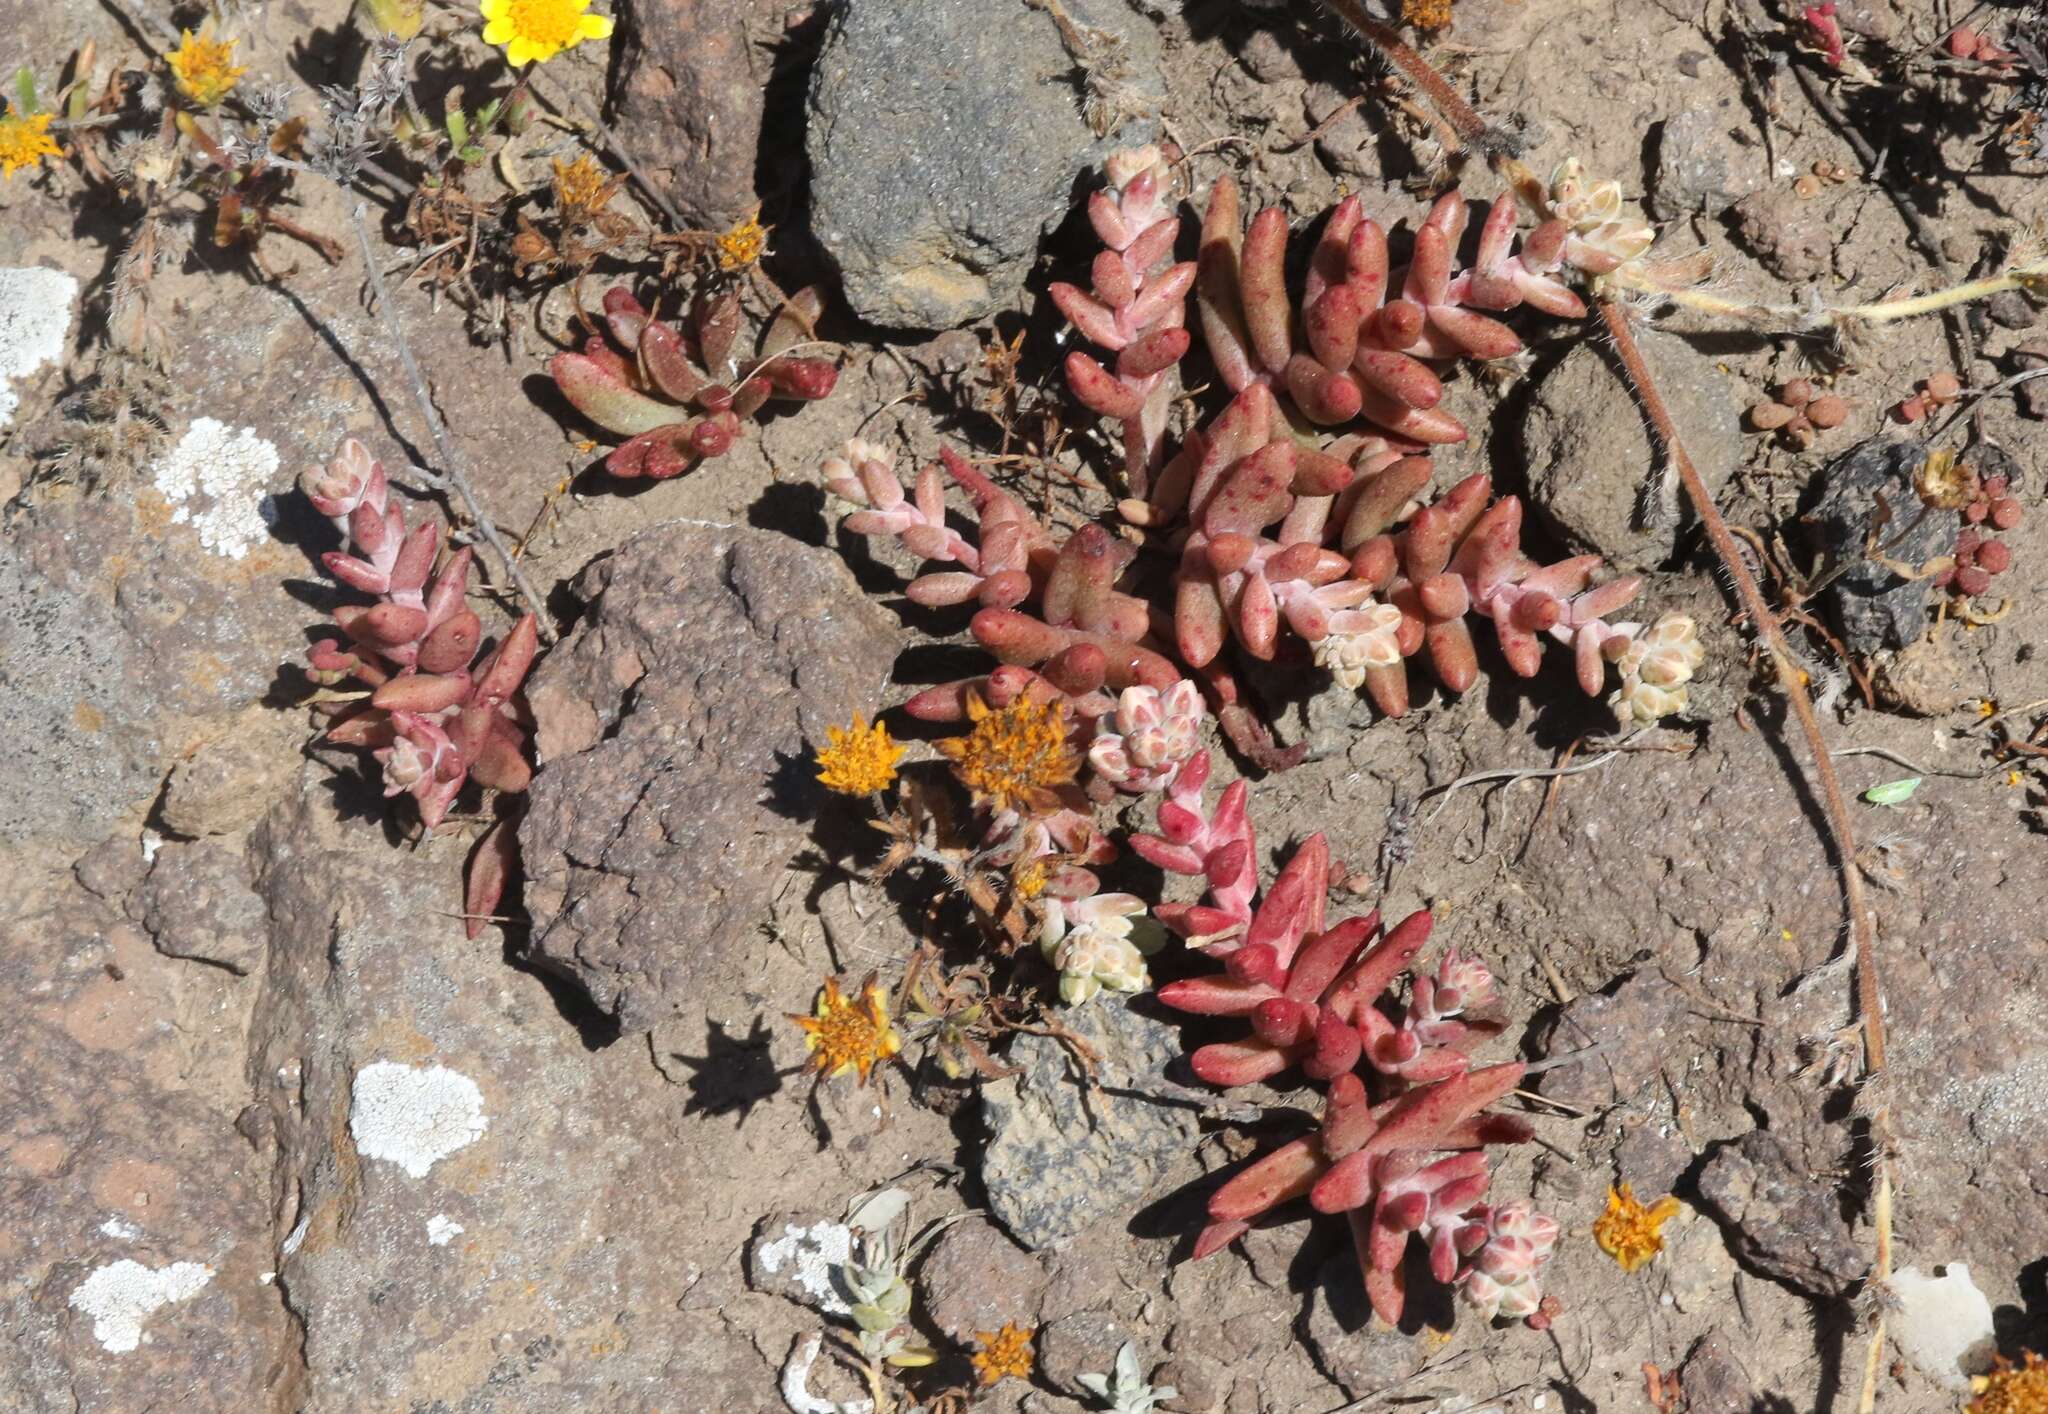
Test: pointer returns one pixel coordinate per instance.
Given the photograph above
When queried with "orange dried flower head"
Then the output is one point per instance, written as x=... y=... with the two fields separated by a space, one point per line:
x=1004 y=1354
x=582 y=187
x=845 y=1033
x=1016 y=758
x=1629 y=1232
x=2011 y=1389
x=860 y=760
x=1426 y=14
x=743 y=245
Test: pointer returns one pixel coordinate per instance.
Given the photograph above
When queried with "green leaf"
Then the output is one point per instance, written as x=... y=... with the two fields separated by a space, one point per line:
x=458 y=127
x=487 y=116
x=25 y=92
x=470 y=153
x=1893 y=792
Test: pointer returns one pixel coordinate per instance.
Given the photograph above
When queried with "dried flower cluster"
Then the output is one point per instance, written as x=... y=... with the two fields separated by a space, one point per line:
x=845 y=1033
x=678 y=394
x=433 y=714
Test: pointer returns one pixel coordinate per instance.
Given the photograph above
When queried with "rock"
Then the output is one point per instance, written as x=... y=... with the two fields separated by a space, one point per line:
x=1201 y=1384
x=1083 y=1343
x=1360 y=1353
x=1267 y=57
x=1692 y=176
x=1793 y=237
x=138 y=1221
x=931 y=183
x=223 y=785
x=198 y=903
x=689 y=95
x=672 y=729
x=1653 y=1156
x=1876 y=607
x=1591 y=464
x=1348 y=146
x=1929 y=677
x=415 y=1085
x=975 y=1279
x=1779 y=1221
x=1635 y=1023
x=798 y=1256
x=1060 y=1157
x=1713 y=1378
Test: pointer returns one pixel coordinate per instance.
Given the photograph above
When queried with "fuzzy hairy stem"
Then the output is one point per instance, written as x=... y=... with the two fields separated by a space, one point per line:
x=1791 y=317
x=451 y=467
x=1862 y=926
x=1463 y=118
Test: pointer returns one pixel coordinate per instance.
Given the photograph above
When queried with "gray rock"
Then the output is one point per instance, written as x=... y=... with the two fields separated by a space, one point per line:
x=1358 y=1352
x=1594 y=477
x=1793 y=237
x=672 y=729
x=690 y=93
x=1692 y=176
x=1877 y=608
x=976 y=1279
x=198 y=903
x=798 y=1256
x=1348 y=146
x=1635 y=1024
x=1062 y=1154
x=1780 y=1221
x=1713 y=1378
x=932 y=182
x=1083 y=1343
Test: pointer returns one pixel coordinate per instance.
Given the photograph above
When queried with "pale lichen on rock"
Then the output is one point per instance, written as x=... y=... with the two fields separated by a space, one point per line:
x=216 y=481
x=413 y=1116
x=122 y=1295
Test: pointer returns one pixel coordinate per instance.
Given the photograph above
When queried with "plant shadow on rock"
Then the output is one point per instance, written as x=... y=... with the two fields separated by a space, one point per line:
x=734 y=1074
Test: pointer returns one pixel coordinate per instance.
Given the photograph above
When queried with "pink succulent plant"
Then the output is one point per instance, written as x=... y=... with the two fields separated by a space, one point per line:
x=435 y=717
x=1136 y=308
x=1151 y=733
x=678 y=394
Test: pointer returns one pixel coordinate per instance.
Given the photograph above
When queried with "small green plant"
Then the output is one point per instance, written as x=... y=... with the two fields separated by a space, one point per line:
x=1125 y=1389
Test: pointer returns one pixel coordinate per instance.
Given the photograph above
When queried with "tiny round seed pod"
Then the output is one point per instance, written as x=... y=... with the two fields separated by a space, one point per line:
x=1975 y=512
x=1972 y=579
x=1943 y=389
x=1807 y=187
x=2005 y=513
x=1796 y=394
x=1967 y=542
x=1827 y=411
x=1798 y=434
x=1994 y=557
x=1912 y=409
x=1995 y=486
x=1769 y=417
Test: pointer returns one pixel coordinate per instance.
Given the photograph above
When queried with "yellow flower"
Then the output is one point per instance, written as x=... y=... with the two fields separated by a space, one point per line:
x=861 y=759
x=743 y=244
x=1628 y=1232
x=2012 y=1391
x=843 y=1034
x=1016 y=758
x=25 y=140
x=537 y=30
x=1004 y=1354
x=204 y=67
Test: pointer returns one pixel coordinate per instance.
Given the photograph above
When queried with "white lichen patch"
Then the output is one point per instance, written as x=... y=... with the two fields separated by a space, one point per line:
x=215 y=480
x=122 y=1295
x=123 y=1231
x=441 y=1230
x=414 y=1116
x=35 y=319
x=813 y=1254
x=1942 y=1323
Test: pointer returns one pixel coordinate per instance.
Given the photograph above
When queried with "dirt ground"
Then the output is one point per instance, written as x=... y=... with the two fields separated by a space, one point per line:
x=1676 y=901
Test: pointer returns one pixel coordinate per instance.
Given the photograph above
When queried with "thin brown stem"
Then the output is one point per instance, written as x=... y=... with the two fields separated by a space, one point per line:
x=451 y=476
x=1464 y=119
x=1792 y=682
